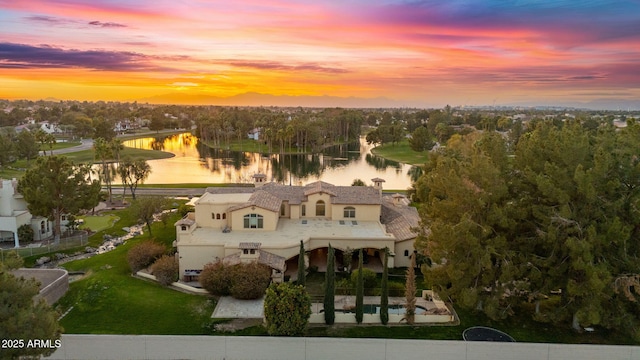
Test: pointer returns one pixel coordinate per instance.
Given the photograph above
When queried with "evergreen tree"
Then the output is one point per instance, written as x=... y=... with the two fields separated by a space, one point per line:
x=410 y=292
x=23 y=318
x=301 y=268
x=287 y=309
x=54 y=186
x=330 y=288
x=384 y=291
x=359 y=291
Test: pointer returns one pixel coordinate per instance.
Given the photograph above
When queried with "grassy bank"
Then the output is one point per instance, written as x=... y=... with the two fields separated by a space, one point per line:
x=88 y=156
x=108 y=300
x=400 y=152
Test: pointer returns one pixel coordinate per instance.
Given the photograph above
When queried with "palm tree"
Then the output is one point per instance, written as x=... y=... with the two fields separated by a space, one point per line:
x=102 y=152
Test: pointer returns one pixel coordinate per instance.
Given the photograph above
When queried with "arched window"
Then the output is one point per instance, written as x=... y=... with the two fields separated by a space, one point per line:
x=224 y=216
x=283 y=210
x=183 y=228
x=304 y=210
x=406 y=253
x=218 y=216
x=253 y=221
x=320 y=208
x=349 y=212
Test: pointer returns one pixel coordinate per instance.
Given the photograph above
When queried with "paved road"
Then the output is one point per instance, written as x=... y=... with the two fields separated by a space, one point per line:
x=85 y=145
x=162 y=191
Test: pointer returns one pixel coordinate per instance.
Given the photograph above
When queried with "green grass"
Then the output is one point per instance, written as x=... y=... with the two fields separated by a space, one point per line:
x=98 y=222
x=87 y=156
x=400 y=152
x=62 y=145
x=110 y=301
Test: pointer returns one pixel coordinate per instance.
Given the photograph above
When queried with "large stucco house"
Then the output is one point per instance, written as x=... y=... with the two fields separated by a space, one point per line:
x=14 y=213
x=266 y=223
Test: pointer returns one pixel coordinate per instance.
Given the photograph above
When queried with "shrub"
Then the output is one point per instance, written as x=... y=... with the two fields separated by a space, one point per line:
x=249 y=281
x=144 y=254
x=370 y=280
x=287 y=309
x=344 y=287
x=165 y=269
x=396 y=289
x=242 y=281
x=216 y=279
x=25 y=234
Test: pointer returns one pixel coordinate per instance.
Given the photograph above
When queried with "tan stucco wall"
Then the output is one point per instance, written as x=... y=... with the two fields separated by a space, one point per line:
x=270 y=219
x=295 y=211
x=363 y=212
x=311 y=205
x=204 y=218
x=194 y=257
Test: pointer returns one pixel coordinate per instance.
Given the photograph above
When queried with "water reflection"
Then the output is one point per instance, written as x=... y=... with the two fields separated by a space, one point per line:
x=197 y=163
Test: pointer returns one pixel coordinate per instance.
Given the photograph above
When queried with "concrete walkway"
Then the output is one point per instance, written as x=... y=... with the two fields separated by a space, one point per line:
x=230 y=308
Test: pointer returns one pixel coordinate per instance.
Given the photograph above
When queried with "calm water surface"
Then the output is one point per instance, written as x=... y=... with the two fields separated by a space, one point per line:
x=197 y=163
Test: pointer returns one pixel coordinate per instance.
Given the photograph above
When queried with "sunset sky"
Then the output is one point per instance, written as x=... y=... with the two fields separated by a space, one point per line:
x=418 y=53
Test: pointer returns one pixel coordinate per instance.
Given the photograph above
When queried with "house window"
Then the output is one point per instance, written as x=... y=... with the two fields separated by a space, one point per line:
x=42 y=228
x=350 y=212
x=320 y=208
x=253 y=221
x=283 y=210
x=213 y=216
x=304 y=210
x=63 y=218
x=252 y=251
x=183 y=228
x=224 y=216
x=406 y=253
x=217 y=216
x=245 y=251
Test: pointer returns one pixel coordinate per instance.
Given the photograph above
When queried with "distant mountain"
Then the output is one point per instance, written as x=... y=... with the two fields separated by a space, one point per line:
x=257 y=99
x=597 y=104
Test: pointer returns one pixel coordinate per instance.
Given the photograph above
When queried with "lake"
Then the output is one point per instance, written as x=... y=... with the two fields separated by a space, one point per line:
x=195 y=162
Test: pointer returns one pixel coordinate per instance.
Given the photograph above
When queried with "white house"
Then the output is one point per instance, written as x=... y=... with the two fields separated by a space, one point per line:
x=14 y=213
x=267 y=222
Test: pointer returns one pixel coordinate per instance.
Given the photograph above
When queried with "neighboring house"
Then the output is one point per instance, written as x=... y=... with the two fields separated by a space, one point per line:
x=254 y=134
x=265 y=223
x=14 y=213
x=50 y=128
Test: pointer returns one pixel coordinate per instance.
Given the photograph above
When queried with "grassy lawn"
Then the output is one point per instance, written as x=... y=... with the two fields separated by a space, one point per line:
x=110 y=301
x=62 y=145
x=98 y=222
x=87 y=156
x=400 y=152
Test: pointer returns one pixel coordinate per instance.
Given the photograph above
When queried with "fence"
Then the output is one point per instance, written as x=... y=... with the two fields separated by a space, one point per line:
x=81 y=238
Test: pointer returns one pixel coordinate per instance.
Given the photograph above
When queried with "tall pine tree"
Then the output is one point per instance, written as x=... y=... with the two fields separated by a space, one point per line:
x=301 y=270
x=330 y=288
x=384 y=291
x=359 y=292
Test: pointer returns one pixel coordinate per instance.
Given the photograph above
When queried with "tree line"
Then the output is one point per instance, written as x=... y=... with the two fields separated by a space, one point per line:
x=550 y=218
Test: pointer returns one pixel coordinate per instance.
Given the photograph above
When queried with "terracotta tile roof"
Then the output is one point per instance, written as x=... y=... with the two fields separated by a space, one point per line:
x=249 y=245
x=319 y=186
x=261 y=199
x=399 y=219
x=188 y=220
x=266 y=258
x=294 y=195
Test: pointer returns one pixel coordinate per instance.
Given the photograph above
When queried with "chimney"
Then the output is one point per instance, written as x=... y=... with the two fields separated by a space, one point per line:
x=377 y=184
x=259 y=180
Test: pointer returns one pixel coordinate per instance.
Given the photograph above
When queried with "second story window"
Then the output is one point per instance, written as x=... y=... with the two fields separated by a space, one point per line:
x=350 y=212
x=253 y=221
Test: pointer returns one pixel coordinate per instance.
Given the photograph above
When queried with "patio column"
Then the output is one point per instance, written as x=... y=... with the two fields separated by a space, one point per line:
x=16 y=241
